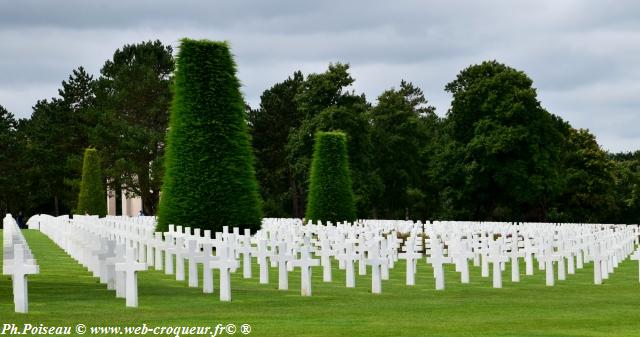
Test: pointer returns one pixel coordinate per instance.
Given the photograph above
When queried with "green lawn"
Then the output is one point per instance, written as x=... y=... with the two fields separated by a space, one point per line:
x=64 y=293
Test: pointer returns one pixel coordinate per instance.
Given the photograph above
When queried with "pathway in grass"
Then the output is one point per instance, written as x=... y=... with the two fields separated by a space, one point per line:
x=64 y=293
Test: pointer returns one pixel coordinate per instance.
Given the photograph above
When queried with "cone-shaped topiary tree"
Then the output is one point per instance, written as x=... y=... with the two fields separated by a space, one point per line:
x=209 y=179
x=330 y=192
x=92 y=198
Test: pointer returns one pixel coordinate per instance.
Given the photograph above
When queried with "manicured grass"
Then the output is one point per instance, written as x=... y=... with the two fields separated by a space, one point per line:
x=64 y=293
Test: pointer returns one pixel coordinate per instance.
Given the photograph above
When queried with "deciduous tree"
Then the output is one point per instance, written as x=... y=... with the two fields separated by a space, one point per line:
x=133 y=97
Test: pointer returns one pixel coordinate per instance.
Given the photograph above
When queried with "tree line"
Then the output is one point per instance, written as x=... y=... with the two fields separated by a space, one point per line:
x=496 y=154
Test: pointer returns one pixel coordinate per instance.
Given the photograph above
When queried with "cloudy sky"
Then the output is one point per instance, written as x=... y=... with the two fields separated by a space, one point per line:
x=584 y=56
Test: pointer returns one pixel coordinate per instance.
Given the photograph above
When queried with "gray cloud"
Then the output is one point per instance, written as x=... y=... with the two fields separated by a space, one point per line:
x=582 y=55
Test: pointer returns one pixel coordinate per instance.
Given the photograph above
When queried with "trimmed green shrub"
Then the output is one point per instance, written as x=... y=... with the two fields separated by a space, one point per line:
x=330 y=191
x=209 y=179
x=92 y=199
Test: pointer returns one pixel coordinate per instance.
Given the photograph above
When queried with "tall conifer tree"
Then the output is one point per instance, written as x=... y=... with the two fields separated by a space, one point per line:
x=209 y=179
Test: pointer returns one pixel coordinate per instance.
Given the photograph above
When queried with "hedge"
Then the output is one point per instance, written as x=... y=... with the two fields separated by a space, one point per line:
x=330 y=192
x=209 y=179
x=92 y=199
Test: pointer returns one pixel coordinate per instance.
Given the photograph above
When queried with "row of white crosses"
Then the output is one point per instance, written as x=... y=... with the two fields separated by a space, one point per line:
x=109 y=250
x=183 y=243
x=562 y=248
x=370 y=245
x=559 y=249
x=116 y=248
x=17 y=262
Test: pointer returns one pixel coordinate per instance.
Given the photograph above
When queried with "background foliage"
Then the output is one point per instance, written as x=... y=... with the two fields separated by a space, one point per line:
x=496 y=154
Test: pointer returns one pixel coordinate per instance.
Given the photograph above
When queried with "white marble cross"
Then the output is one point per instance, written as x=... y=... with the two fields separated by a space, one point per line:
x=225 y=263
x=410 y=256
x=159 y=246
x=484 y=254
x=283 y=258
x=169 y=251
x=377 y=263
x=205 y=259
x=179 y=253
x=193 y=254
x=362 y=266
x=604 y=261
x=116 y=279
x=476 y=244
x=383 y=253
x=560 y=258
x=130 y=267
x=274 y=244
x=103 y=256
x=19 y=269
x=246 y=251
x=549 y=257
x=325 y=259
x=305 y=262
x=437 y=259
x=570 y=249
x=100 y=255
x=636 y=256
x=149 y=242
x=596 y=256
x=348 y=256
x=497 y=259
x=262 y=254
x=461 y=254
x=579 y=252
x=529 y=250
x=514 y=254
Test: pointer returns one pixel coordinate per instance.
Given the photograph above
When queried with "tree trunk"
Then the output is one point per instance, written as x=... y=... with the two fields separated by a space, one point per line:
x=147 y=194
x=118 y=196
x=150 y=202
x=543 y=209
x=295 y=197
